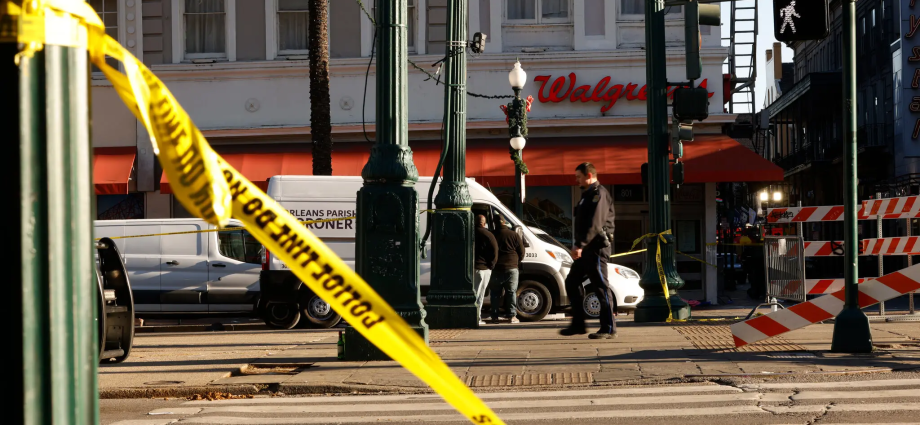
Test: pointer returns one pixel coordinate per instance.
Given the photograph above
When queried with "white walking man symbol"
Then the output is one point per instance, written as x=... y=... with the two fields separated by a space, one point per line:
x=787 y=13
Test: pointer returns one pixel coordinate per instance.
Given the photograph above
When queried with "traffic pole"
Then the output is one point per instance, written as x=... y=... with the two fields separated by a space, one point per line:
x=451 y=296
x=654 y=306
x=851 y=328
x=54 y=300
x=387 y=237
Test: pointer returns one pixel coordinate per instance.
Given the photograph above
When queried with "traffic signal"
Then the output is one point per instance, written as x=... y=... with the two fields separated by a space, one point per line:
x=796 y=20
x=696 y=14
x=691 y=103
x=680 y=132
x=677 y=173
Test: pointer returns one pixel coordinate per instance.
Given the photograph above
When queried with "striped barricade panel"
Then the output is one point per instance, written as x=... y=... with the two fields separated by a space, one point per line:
x=826 y=286
x=868 y=247
x=892 y=206
x=800 y=315
x=833 y=213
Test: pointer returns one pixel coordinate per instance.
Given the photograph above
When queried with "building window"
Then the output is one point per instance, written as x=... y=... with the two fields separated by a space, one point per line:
x=108 y=12
x=411 y=25
x=635 y=9
x=293 y=27
x=206 y=30
x=537 y=11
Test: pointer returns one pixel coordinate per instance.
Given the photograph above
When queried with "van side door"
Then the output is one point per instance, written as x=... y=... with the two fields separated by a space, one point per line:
x=142 y=260
x=184 y=268
x=234 y=264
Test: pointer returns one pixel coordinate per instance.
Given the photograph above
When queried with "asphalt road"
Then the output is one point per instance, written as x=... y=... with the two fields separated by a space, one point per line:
x=879 y=399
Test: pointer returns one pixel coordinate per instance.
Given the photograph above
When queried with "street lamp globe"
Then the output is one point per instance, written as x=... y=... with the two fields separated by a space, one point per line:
x=517 y=77
x=763 y=196
x=777 y=196
x=518 y=143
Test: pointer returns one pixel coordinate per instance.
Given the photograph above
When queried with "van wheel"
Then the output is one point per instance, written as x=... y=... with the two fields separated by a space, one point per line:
x=280 y=315
x=533 y=301
x=318 y=313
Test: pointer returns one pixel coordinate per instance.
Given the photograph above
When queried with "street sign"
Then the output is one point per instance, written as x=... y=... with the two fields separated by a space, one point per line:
x=796 y=20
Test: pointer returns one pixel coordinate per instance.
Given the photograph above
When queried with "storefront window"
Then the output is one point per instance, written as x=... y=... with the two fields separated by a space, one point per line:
x=546 y=207
x=687 y=233
x=120 y=207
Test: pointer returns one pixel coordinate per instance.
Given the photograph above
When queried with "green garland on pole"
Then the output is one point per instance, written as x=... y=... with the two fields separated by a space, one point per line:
x=517 y=126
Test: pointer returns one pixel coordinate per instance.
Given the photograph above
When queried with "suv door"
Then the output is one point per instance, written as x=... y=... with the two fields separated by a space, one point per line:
x=234 y=263
x=184 y=269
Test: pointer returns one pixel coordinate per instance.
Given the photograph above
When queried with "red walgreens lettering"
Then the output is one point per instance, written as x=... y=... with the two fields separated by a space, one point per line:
x=553 y=92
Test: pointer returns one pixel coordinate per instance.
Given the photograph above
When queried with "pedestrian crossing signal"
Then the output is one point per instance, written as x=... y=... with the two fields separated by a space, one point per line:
x=797 y=20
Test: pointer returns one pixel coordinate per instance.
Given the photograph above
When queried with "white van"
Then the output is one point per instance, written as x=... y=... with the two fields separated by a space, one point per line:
x=191 y=273
x=541 y=287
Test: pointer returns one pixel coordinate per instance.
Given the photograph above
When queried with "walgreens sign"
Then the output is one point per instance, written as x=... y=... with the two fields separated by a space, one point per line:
x=563 y=88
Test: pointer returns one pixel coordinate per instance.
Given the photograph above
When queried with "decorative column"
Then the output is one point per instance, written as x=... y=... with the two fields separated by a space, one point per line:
x=654 y=306
x=452 y=298
x=387 y=239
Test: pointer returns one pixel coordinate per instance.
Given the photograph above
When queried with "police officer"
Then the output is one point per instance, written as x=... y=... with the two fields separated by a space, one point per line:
x=593 y=233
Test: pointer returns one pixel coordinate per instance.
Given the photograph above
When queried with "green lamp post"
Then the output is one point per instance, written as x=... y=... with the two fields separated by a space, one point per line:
x=451 y=297
x=655 y=307
x=387 y=239
x=517 y=126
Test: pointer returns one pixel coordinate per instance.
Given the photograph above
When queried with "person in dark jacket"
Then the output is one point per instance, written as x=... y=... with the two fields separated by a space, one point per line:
x=506 y=272
x=594 y=217
x=486 y=255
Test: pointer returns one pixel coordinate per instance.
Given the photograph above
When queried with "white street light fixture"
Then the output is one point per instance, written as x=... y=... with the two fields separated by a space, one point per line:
x=518 y=143
x=517 y=77
x=777 y=196
x=763 y=196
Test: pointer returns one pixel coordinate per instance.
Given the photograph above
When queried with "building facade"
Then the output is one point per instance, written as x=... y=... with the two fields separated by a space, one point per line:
x=240 y=69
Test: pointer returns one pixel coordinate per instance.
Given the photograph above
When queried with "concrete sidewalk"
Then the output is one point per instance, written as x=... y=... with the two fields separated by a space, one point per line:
x=495 y=357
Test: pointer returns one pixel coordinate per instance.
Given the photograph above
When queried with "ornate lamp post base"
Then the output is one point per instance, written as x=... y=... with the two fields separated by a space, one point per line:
x=654 y=308
x=451 y=299
x=851 y=332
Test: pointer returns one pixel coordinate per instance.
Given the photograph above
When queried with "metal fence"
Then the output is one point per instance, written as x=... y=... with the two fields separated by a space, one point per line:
x=784 y=261
x=784 y=270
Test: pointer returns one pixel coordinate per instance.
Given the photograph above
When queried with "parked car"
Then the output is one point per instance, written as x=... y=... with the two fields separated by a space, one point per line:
x=541 y=287
x=187 y=274
x=623 y=281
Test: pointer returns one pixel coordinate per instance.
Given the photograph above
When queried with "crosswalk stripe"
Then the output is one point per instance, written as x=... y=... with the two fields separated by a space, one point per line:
x=484 y=396
x=835 y=385
x=510 y=404
x=543 y=416
x=824 y=395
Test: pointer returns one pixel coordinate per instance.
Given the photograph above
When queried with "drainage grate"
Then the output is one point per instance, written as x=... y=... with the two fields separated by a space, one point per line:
x=530 y=379
x=442 y=334
x=720 y=338
x=792 y=356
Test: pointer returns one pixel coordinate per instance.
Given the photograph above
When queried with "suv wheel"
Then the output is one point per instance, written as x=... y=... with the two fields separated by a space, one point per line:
x=280 y=315
x=319 y=314
x=592 y=305
x=533 y=301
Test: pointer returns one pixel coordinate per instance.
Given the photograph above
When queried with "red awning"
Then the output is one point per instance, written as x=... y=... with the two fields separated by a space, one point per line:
x=112 y=169
x=552 y=162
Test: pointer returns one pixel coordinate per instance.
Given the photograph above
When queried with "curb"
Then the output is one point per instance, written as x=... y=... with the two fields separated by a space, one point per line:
x=201 y=328
x=157 y=392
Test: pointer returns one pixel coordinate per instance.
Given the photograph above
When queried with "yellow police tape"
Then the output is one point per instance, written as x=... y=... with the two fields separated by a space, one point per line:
x=659 y=238
x=628 y=253
x=697 y=259
x=212 y=189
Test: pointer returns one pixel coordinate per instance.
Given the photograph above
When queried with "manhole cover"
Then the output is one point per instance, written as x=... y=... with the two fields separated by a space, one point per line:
x=164 y=383
x=530 y=379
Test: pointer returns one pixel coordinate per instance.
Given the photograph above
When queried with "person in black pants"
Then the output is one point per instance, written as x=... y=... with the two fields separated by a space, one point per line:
x=593 y=233
x=507 y=268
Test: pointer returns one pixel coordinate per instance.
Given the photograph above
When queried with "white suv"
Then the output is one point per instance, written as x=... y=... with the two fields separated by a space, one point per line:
x=624 y=282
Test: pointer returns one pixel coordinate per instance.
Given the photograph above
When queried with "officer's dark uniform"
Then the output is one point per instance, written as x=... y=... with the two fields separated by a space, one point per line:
x=593 y=222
